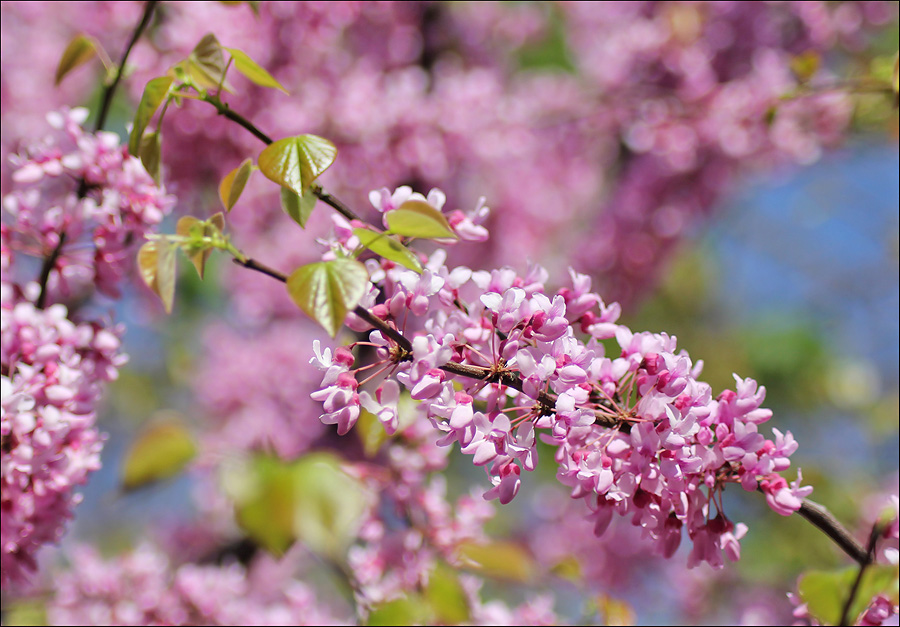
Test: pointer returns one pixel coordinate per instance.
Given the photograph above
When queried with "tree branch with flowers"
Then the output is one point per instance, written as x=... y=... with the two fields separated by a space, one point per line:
x=432 y=355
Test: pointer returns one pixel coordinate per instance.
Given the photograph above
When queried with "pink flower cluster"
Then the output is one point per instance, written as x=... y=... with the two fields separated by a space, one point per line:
x=86 y=189
x=82 y=202
x=53 y=370
x=145 y=588
x=496 y=361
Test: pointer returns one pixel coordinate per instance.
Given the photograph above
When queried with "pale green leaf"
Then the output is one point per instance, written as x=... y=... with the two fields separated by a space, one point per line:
x=371 y=432
x=154 y=94
x=249 y=68
x=298 y=207
x=447 y=597
x=151 y=149
x=310 y=499
x=826 y=592
x=295 y=162
x=502 y=560
x=206 y=63
x=327 y=290
x=416 y=218
x=161 y=450
x=388 y=247
x=233 y=184
x=79 y=51
x=156 y=260
x=410 y=610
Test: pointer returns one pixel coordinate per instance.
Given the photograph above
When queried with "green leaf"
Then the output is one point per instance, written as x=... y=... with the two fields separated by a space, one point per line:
x=161 y=450
x=371 y=432
x=151 y=149
x=447 y=597
x=501 y=560
x=24 y=613
x=206 y=63
x=295 y=162
x=156 y=260
x=311 y=499
x=79 y=51
x=154 y=94
x=298 y=207
x=233 y=184
x=388 y=247
x=805 y=65
x=197 y=247
x=826 y=592
x=249 y=68
x=411 y=610
x=327 y=290
x=416 y=218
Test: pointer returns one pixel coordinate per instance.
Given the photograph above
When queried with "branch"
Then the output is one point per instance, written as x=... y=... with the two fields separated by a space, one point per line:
x=827 y=523
x=508 y=378
x=870 y=553
x=108 y=93
x=244 y=123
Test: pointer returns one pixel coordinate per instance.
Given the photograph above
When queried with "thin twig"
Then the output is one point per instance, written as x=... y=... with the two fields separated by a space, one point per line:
x=108 y=93
x=870 y=555
x=237 y=118
x=827 y=523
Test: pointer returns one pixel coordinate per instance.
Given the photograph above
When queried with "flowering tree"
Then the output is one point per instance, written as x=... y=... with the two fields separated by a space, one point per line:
x=388 y=328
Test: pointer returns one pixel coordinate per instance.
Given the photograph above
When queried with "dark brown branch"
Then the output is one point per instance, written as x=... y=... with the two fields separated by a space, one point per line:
x=108 y=93
x=244 y=123
x=854 y=590
x=237 y=118
x=830 y=526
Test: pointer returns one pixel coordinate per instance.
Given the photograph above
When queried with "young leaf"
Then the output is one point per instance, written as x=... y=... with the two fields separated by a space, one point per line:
x=298 y=207
x=311 y=499
x=503 y=560
x=447 y=597
x=79 y=51
x=161 y=450
x=206 y=63
x=249 y=68
x=154 y=93
x=825 y=592
x=156 y=260
x=150 y=154
x=233 y=184
x=389 y=248
x=196 y=249
x=295 y=162
x=416 y=218
x=371 y=432
x=327 y=290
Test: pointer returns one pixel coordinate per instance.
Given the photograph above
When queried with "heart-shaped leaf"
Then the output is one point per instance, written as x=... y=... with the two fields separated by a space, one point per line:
x=154 y=93
x=79 y=51
x=206 y=63
x=327 y=290
x=826 y=592
x=416 y=218
x=388 y=247
x=249 y=68
x=311 y=500
x=295 y=162
x=151 y=149
x=161 y=450
x=233 y=184
x=298 y=207
x=156 y=260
